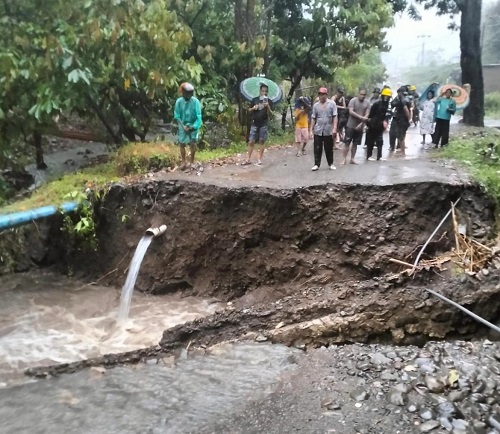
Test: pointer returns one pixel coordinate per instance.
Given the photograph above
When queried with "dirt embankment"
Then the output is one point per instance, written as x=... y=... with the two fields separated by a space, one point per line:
x=222 y=242
x=303 y=267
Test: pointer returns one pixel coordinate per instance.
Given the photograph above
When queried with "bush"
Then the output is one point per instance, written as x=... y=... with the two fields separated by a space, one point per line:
x=481 y=153
x=137 y=158
x=492 y=104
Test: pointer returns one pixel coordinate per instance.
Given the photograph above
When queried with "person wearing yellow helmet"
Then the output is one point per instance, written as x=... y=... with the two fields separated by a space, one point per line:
x=377 y=123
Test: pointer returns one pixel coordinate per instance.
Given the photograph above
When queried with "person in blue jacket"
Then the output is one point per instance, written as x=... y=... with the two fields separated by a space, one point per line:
x=187 y=113
x=444 y=109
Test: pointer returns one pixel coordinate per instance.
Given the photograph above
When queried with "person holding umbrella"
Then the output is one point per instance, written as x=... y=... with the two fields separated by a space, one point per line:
x=445 y=107
x=187 y=113
x=261 y=108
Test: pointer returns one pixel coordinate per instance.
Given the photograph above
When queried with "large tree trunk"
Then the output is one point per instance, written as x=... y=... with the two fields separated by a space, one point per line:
x=470 y=60
x=37 y=142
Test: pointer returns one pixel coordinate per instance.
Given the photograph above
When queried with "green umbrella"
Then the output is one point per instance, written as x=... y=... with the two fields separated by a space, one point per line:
x=250 y=88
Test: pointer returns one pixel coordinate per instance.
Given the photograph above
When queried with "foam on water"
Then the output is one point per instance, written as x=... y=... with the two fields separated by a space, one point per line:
x=47 y=319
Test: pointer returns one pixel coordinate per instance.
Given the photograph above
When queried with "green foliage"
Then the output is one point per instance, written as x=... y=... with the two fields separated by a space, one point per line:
x=83 y=55
x=423 y=76
x=315 y=37
x=492 y=105
x=491 y=35
x=480 y=152
x=138 y=158
x=54 y=192
x=368 y=71
x=81 y=228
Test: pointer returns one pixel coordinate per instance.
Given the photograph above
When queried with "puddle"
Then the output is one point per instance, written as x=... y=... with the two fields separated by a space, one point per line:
x=47 y=319
x=194 y=394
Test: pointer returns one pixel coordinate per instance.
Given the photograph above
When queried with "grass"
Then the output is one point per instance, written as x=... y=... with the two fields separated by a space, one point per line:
x=131 y=159
x=492 y=105
x=55 y=192
x=480 y=152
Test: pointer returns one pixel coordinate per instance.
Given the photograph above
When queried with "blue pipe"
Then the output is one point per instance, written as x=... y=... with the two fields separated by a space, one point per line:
x=12 y=220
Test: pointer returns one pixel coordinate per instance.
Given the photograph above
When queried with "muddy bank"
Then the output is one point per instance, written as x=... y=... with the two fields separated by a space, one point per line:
x=370 y=311
x=223 y=241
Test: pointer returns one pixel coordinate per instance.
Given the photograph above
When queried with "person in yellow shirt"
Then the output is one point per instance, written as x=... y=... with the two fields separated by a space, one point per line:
x=301 y=114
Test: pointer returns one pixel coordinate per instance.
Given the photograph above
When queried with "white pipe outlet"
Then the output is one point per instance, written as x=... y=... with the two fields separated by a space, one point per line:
x=156 y=232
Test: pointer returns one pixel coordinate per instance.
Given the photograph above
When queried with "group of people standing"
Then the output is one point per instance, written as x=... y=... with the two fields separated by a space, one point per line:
x=329 y=119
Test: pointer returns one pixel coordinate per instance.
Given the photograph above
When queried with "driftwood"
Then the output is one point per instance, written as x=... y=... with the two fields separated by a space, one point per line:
x=469 y=254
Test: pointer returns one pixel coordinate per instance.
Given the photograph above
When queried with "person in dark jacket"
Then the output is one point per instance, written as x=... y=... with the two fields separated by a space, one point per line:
x=377 y=123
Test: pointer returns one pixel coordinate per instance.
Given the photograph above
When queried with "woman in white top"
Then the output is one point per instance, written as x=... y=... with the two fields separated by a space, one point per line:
x=427 y=116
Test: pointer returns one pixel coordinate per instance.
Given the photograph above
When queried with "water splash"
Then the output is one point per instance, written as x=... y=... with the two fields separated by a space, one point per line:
x=133 y=272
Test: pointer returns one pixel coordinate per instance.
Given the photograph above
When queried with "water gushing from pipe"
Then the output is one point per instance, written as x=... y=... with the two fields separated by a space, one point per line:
x=133 y=271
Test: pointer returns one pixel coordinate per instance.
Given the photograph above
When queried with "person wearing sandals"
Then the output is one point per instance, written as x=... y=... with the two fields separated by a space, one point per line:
x=187 y=113
x=301 y=114
x=261 y=108
x=324 y=128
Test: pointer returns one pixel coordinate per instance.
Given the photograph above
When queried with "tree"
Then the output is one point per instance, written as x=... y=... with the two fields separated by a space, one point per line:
x=470 y=48
x=85 y=56
x=316 y=37
x=491 y=34
x=368 y=71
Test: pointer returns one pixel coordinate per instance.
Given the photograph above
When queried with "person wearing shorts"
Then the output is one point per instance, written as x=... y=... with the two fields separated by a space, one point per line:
x=359 y=108
x=261 y=108
x=301 y=114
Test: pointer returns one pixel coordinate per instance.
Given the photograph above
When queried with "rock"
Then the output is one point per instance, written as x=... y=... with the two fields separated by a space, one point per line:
x=412 y=408
x=478 y=397
x=460 y=424
x=380 y=359
x=494 y=421
x=260 y=338
x=387 y=376
x=359 y=394
x=457 y=395
x=479 y=233
x=445 y=423
x=389 y=216
x=446 y=409
x=426 y=414
x=397 y=397
x=429 y=426
x=433 y=384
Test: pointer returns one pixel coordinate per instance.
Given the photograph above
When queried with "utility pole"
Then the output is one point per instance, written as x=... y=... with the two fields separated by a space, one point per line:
x=422 y=59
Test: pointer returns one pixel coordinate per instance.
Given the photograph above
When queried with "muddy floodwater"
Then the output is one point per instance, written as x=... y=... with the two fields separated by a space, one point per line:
x=163 y=397
x=47 y=319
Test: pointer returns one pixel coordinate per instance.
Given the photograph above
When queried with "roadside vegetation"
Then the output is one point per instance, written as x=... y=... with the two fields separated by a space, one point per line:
x=130 y=160
x=492 y=105
x=480 y=153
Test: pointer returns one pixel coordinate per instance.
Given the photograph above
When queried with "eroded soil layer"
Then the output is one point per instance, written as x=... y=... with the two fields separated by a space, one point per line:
x=224 y=242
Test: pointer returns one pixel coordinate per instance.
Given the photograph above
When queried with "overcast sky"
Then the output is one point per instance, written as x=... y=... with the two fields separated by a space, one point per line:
x=407 y=47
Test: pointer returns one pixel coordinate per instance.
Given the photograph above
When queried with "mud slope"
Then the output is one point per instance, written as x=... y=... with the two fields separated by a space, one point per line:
x=222 y=241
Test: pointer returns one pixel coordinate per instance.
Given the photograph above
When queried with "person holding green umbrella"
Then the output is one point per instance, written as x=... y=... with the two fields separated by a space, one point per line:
x=261 y=108
x=187 y=113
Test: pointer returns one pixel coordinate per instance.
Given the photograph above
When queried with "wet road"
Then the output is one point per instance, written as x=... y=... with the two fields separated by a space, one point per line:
x=282 y=169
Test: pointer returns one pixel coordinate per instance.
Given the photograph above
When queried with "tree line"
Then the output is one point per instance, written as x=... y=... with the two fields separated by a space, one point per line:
x=121 y=61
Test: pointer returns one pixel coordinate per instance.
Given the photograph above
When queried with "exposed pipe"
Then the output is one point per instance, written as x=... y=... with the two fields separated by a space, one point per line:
x=463 y=309
x=12 y=220
x=156 y=231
